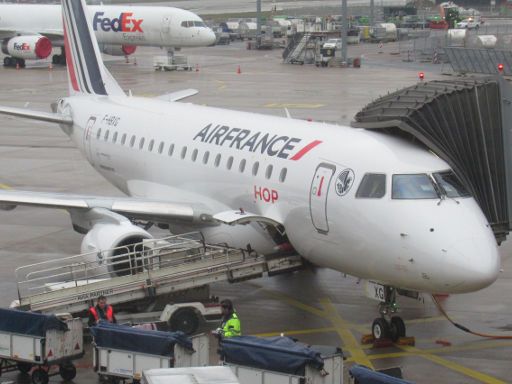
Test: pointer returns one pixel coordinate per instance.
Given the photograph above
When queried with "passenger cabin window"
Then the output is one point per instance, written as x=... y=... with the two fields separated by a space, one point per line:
x=114 y=138
x=418 y=186
x=141 y=143
x=373 y=186
x=450 y=184
x=151 y=145
x=282 y=175
x=217 y=160
x=241 y=168
x=194 y=155
x=171 y=150
x=206 y=157
x=161 y=147
x=255 y=167
x=106 y=135
x=268 y=172
x=184 y=152
x=98 y=134
x=132 y=141
x=229 y=163
x=123 y=139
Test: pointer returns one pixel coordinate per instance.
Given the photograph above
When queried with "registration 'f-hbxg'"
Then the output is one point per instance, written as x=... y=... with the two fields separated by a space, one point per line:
x=356 y=201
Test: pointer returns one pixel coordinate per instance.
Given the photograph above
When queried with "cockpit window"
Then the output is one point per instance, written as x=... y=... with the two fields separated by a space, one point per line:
x=189 y=24
x=418 y=186
x=450 y=184
x=373 y=186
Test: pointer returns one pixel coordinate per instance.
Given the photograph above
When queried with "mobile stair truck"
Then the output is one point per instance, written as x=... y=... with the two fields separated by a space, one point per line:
x=281 y=360
x=121 y=352
x=35 y=342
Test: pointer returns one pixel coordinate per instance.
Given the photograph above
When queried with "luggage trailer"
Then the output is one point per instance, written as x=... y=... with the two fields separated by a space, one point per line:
x=34 y=343
x=123 y=353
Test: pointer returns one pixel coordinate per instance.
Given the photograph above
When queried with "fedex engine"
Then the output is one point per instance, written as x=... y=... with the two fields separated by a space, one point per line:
x=28 y=47
x=117 y=50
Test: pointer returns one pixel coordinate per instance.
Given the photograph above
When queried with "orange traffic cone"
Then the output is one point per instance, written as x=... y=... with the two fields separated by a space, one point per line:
x=238 y=70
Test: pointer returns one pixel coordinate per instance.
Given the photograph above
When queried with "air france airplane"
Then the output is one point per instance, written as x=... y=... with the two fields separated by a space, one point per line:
x=30 y=31
x=357 y=201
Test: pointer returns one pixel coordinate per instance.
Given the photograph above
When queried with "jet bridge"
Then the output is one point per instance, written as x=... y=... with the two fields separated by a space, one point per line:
x=140 y=271
x=466 y=122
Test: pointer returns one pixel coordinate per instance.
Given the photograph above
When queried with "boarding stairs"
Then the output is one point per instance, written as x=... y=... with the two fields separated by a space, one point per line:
x=143 y=270
x=296 y=48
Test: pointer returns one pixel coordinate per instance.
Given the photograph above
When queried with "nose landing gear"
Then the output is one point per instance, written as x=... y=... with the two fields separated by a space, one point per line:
x=394 y=328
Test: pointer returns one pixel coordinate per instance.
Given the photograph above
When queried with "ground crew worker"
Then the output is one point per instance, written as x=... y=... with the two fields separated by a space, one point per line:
x=230 y=325
x=101 y=311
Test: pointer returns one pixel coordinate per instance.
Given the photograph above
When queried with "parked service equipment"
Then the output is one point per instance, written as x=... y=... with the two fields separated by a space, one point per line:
x=124 y=352
x=151 y=268
x=29 y=340
x=280 y=359
x=171 y=63
x=196 y=375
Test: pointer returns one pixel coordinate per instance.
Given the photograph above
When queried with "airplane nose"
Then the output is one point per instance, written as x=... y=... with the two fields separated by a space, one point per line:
x=480 y=263
x=210 y=37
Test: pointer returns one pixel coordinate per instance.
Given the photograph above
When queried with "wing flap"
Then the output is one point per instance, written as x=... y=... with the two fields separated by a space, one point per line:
x=242 y=217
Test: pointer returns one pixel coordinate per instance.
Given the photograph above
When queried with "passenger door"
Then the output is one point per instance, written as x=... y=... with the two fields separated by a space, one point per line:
x=165 y=29
x=318 y=196
x=88 y=137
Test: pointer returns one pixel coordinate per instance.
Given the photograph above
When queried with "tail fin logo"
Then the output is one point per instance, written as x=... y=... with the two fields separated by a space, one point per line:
x=124 y=23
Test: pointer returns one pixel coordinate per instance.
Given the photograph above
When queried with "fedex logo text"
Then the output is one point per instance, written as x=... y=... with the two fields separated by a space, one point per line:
x=21 y=47
x=265 y=194
x=124 y=23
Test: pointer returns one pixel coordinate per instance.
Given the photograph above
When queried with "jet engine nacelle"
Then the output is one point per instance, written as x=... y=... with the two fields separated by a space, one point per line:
x=118 y=50
x=28 y=47
x=105 y=241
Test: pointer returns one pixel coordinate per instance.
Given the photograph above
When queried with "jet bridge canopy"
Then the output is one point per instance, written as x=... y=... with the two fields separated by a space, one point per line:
x=465 y=123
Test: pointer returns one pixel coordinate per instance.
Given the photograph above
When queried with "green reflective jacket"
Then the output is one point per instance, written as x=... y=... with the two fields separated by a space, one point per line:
x=232 y=327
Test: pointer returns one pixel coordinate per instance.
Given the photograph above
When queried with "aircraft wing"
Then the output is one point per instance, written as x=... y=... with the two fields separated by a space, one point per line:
x=37 y=115
x=55 y=35
x=130 y=207
x=134 y=208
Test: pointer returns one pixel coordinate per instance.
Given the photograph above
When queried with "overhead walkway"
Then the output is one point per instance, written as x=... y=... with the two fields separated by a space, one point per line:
x=143 y=270
x=465 y=122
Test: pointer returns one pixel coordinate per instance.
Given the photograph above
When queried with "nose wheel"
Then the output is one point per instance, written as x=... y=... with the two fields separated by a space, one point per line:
x=394 y=328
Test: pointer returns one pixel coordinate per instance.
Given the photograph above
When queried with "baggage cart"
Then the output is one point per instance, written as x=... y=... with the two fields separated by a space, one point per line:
x=197 y=375
x=122 y=352
x=34 y=342
x=281 y=360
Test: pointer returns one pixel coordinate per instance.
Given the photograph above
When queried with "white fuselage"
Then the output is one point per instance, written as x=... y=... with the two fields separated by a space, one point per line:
x=426 y=245
x=113 y=24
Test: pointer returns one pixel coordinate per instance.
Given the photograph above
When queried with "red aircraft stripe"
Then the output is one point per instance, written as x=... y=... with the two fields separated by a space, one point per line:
x=305 y=150
x=69 y=61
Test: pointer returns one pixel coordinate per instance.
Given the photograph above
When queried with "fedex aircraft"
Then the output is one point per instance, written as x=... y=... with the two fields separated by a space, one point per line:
x=357 y=201
x=30 y=31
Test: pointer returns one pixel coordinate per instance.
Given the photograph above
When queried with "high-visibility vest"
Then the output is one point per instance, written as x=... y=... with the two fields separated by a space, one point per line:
x=232 y=327
x=109 y=312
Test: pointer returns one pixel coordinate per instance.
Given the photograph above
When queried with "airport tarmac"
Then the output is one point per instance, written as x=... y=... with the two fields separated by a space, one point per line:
x=317 y=306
